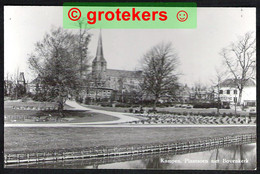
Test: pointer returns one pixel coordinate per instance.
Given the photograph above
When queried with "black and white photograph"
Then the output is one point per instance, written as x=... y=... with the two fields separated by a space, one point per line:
x=152 y=99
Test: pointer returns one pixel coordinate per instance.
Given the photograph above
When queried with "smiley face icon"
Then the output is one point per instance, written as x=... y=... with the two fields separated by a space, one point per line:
x=182 y=16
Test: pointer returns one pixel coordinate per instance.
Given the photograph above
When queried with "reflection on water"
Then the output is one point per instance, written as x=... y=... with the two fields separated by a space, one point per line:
x=237 y=157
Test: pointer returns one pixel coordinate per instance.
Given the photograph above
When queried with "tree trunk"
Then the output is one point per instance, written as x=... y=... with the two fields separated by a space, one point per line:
x=155 y=102
x=96 y=96
x=60 y=104
x=240 y=96
x=218 y=106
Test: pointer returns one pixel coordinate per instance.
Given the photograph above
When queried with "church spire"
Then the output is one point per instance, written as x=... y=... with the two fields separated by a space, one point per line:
x=99 y=54
x=99 y=64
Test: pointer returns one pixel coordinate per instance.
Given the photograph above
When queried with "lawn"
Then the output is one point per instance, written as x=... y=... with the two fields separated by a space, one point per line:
x=29 y=116
x=11 y=103
x=42 y=139
x=69 y=116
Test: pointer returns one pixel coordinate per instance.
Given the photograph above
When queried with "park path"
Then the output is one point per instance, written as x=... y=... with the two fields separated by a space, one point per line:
x=123 y=118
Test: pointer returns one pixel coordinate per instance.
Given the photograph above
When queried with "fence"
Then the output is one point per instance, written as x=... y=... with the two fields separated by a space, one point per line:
x=18 y=117
x=42 y=108
x=179 y=147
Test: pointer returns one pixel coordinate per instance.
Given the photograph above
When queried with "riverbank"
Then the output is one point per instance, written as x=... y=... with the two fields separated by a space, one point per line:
x=179 y=147
x=19 y=139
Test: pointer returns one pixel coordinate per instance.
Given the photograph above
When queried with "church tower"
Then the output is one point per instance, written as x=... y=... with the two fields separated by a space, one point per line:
x=99 y=64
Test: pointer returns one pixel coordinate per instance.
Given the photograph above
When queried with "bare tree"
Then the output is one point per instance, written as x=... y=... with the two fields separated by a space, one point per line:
x=159 y=71
x=57 y=61
x=220 y=77
x=198 y=90
x=84 y=39
x=240 y=60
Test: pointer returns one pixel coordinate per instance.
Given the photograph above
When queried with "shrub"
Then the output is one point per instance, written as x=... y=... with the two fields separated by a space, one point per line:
x=123 y=105
x=24 y=99
x=230 y=114
x=79 y=99
x=185 y=113
x=87 y=100
x=204 y=114
x=152 y=111
x=213 y=113
x=105 y=104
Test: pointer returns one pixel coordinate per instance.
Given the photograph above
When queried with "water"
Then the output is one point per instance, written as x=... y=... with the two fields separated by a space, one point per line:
x=236 y=157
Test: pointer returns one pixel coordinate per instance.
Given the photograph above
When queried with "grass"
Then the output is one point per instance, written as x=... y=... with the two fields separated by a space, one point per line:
x=69 y=115
x=47 y=139
x=11 y=103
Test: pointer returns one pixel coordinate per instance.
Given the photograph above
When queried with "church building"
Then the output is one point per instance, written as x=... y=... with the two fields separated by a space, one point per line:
x=107 y=82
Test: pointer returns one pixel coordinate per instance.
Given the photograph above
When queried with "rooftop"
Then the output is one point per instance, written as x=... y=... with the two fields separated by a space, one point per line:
x=123 y=73
x=231 y=83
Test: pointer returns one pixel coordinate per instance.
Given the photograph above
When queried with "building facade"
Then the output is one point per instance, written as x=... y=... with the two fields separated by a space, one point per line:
x=229 y=93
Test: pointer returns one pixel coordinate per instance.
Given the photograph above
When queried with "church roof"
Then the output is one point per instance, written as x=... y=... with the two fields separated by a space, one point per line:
x=123 y=73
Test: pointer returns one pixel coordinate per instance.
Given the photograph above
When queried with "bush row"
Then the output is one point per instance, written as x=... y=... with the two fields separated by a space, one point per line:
x=204 y=114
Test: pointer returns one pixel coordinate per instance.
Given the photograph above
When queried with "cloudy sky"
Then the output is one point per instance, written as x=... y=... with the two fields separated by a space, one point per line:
x=198 y=48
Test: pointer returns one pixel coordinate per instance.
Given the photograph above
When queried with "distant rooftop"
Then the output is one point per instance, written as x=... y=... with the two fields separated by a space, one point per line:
x=231 y=83
x=123 y=73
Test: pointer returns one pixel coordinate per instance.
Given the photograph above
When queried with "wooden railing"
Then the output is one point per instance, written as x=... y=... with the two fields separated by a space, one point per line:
x=186 y=147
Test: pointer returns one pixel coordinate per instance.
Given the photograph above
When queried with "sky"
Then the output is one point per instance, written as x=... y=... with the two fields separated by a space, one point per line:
x=198 y=49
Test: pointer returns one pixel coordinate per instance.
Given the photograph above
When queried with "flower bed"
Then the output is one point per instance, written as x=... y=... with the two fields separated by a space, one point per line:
x=191 y=119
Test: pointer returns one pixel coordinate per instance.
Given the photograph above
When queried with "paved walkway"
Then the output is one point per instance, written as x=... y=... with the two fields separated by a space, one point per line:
x=123 y=118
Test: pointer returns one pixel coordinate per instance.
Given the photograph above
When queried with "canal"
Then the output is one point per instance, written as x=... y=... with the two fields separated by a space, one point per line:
x=235 y=157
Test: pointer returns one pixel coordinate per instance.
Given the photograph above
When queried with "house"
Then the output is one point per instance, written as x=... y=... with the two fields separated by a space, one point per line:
x=229 y=93
x=183 y=94
x=8 y=87
x=34 y=86
x=16 y=87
